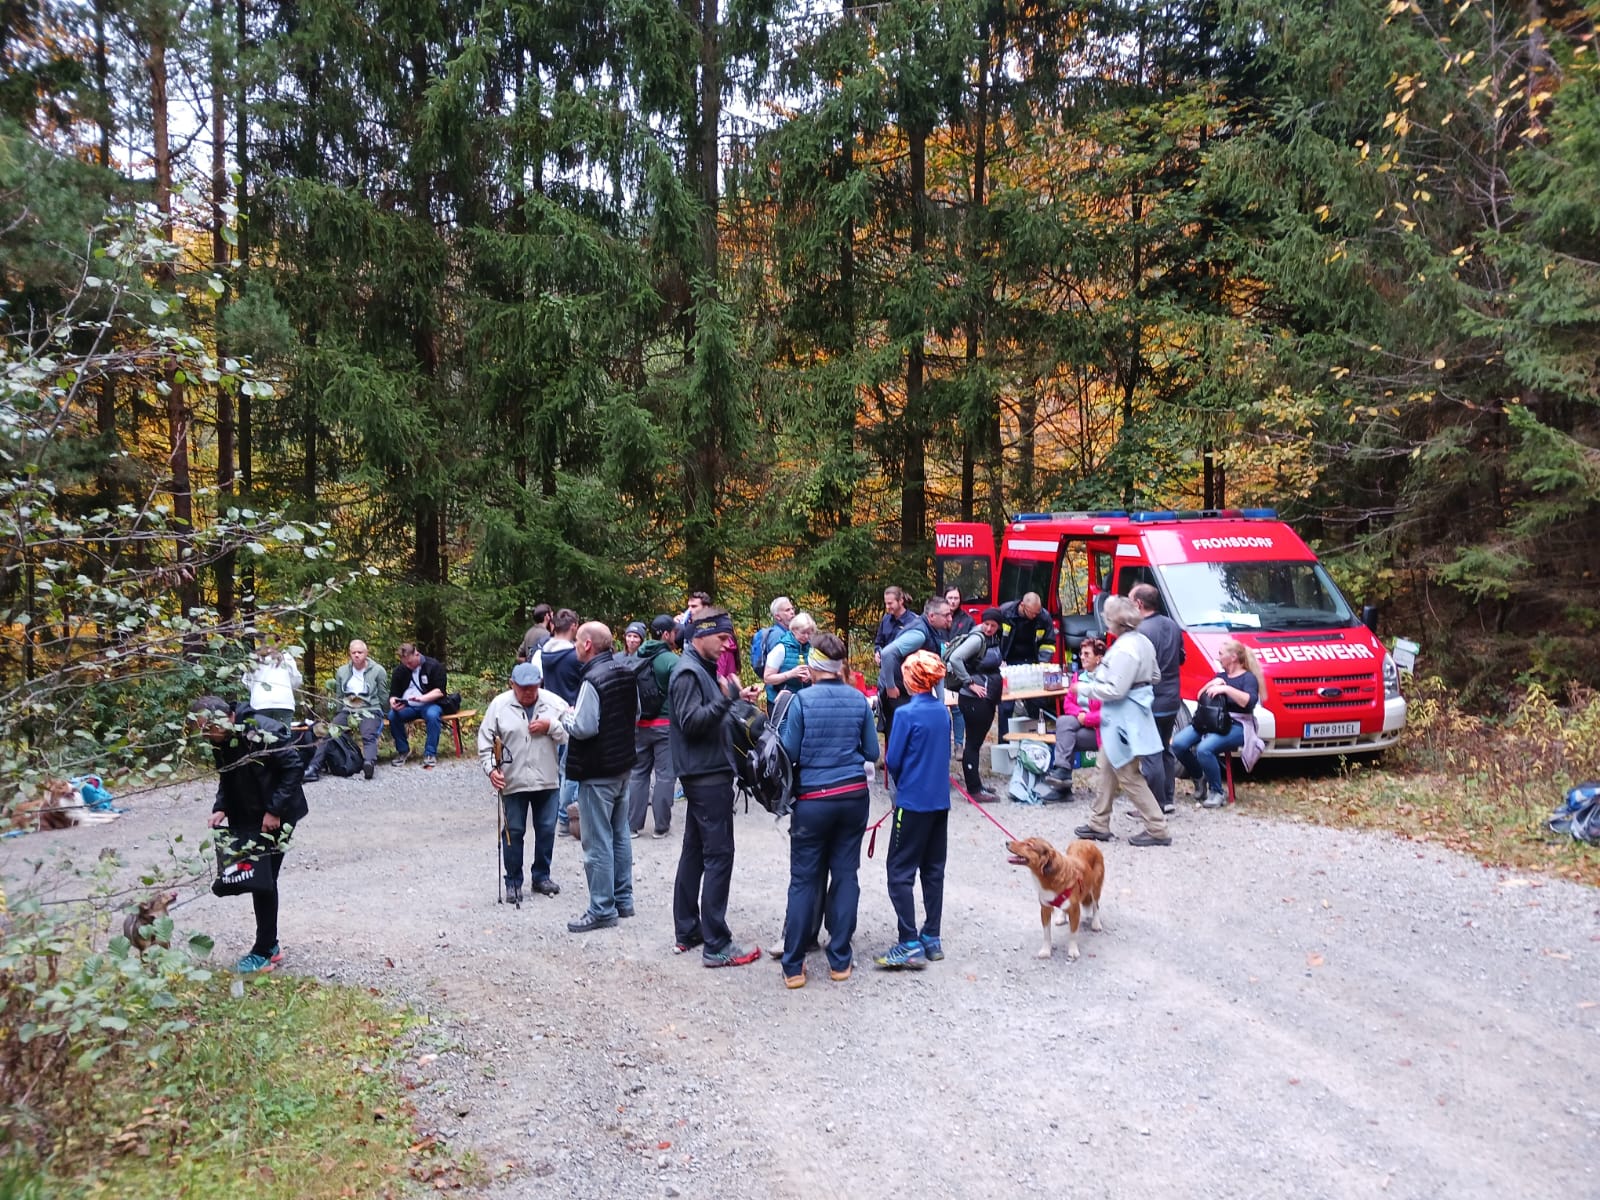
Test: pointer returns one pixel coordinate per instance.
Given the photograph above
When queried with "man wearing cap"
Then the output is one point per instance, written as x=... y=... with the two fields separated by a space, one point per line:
x=702 y=756
x=517 y=749
x=650 y=737
x=974 y=668
x=600 y=756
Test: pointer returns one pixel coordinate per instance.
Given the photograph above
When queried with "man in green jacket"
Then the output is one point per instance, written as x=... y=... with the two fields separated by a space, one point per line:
x=360 y=688
x=655 y=756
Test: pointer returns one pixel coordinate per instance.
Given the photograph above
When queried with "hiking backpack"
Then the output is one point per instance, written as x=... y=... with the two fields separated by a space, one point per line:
x=759 y=646
x=761 y=767
x=651 y=697
x=343 y=756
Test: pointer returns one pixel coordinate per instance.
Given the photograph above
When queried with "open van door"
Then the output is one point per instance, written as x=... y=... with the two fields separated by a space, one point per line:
x=964 y=558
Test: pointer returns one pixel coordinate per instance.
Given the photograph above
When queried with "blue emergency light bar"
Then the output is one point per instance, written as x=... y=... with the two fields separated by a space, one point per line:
x=1207 y=514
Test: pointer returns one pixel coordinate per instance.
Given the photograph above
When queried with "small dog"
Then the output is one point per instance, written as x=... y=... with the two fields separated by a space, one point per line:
x=149 y=912
x=1067 y=882
x=59 y=807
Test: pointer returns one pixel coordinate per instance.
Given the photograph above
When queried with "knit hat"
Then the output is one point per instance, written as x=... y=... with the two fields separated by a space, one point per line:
x=636 y=627
x=922 y=671
x=993 y=614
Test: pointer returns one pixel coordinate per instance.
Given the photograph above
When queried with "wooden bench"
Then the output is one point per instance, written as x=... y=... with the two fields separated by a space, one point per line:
x=1031 y=735
x=454 y=721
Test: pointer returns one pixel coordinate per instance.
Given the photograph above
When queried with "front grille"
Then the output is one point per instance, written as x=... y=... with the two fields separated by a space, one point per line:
x=1319 y=703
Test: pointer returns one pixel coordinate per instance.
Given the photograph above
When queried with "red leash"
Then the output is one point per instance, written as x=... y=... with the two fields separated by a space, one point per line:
x=956 y=783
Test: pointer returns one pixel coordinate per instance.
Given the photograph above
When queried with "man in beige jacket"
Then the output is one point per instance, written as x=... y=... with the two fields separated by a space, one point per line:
x=517 y=748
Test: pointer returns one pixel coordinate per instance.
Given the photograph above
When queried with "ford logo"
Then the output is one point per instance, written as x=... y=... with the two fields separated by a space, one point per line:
x=1330 y=693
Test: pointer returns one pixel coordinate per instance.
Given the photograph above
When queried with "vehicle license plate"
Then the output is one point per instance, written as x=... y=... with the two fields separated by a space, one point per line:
x=1331 y=729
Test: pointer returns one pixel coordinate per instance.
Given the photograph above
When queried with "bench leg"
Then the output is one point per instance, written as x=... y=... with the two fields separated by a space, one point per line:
x=455 y=733
x=1227 y=765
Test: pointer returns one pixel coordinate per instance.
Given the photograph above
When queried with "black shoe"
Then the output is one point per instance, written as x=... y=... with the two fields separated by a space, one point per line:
x=366 y=770
x=514 y=894
x=311 y=777
x=624 y=910
x=547 y=887
x=1144 y=838
x=589 y=921
x=1093 y=834
x=1059 y=775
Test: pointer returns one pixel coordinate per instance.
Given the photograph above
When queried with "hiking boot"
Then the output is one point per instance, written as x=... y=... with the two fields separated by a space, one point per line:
x=795 y=981
x=933 y=948
x=513 y=893
x=1215 y=800
x=1146 y=838
x=547 y=887
x=366 y=770
x=399 y=760
x=429 y=762
x=731 y=955
x=905 y=954
x=1059 y=775
x=624 y=911
x=590 y=922
x=255 y=964
x=1093 y=834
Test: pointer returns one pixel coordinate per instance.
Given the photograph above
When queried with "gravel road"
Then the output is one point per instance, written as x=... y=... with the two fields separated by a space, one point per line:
x=1274 y=1010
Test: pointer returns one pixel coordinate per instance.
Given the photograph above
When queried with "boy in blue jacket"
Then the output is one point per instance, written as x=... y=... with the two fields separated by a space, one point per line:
x=918 y=758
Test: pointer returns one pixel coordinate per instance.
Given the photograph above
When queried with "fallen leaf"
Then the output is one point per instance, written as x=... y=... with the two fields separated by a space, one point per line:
x=1313 y=960
x=663 y=1145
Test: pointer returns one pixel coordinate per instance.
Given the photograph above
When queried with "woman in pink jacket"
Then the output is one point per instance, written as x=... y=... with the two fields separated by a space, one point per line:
x=1078 y=726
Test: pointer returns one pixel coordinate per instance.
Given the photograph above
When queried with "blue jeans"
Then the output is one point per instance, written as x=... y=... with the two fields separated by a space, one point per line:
x=519 y=806
x=431 y=714
x=824 y=853
x=1198 y=752
x=607 y=844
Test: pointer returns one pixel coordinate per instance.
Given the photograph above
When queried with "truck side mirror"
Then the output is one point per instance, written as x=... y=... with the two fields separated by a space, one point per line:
x=1369 y=616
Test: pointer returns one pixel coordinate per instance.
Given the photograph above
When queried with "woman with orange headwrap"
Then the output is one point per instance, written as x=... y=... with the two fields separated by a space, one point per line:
x=918 y=758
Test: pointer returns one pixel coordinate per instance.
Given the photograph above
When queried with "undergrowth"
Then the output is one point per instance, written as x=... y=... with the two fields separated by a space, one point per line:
x=1481 y=784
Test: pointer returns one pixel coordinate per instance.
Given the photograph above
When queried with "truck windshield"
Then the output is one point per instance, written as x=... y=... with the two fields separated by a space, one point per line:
x=1255 y=595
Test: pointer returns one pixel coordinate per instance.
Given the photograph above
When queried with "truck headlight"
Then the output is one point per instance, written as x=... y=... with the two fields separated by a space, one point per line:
x=1391 y=678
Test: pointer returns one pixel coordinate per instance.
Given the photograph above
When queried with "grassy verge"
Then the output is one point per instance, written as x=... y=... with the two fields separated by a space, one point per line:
x=1483 y=785
x=289 y=1091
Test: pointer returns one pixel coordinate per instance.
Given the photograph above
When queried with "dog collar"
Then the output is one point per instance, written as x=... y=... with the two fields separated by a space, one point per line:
x=1061 y=898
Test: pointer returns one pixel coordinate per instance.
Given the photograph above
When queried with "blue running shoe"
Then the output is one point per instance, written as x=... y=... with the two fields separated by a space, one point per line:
x=932 y=947
x=906 y=954
x=255 y=964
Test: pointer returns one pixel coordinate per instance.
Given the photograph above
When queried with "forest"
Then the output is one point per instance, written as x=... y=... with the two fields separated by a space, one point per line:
x=393 y=318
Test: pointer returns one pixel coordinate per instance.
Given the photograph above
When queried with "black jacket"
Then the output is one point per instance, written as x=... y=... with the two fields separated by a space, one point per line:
x=430 y=675
x=611 y=751
x=1021 y=638
x=259 y=772
x=698 y=735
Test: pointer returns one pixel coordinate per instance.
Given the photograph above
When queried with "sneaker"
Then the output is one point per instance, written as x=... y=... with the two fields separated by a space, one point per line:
x=399 y=760
x=905 y=954
x=311 y=777
x=255 y=964
x=590 y=922
x=730 y=955
x=1093 y=834
x=429 y=762
x=1145 y=838
x=933 y=948
x=366 y=770
x=795 y=981
x=661 y=833
x=277 y=953
x=635 y=834
x=1059 y=775
x=839 y=975
x=1215 y=800
x=686 y=944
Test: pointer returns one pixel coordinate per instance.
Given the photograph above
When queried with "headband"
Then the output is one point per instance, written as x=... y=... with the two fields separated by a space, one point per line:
x=818 y=661
x=721 y=623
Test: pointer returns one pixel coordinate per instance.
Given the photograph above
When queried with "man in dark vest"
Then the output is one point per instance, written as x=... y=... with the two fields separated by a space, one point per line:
x=1166 y=635
x=600 y=755
x=558 y=660
x=702 y=756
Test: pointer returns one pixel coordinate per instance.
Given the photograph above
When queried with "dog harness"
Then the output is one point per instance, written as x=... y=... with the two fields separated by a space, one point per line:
x=1061 y=898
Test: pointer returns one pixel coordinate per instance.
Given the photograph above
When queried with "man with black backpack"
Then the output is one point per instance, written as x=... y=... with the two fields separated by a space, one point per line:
x=652 y=669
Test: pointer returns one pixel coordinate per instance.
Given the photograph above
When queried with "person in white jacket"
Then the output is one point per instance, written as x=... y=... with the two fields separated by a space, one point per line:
x=517 y=744
x=1125 y=686
x=273 y=679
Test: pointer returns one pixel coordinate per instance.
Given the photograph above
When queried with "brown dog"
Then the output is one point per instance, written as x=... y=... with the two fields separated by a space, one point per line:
x=134 y=926
x=1067 y=882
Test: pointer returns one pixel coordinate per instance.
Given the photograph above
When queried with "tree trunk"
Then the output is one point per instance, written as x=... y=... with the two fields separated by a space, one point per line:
x=219 y=264
x=914 y=468
x=178 y=415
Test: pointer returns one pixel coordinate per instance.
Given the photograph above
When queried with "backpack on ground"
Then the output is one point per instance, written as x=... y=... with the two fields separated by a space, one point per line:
x=343 y=756
x=651 y=697
x=761 y=767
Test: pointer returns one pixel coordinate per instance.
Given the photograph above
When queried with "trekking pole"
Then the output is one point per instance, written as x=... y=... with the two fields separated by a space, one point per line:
x=501 y=836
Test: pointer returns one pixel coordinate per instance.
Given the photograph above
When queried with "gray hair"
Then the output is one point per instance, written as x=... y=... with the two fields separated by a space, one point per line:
x=777 y=603
x=1121 y=614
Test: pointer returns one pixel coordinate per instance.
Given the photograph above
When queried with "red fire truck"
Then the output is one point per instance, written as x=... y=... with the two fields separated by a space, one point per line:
x=1331 y=686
